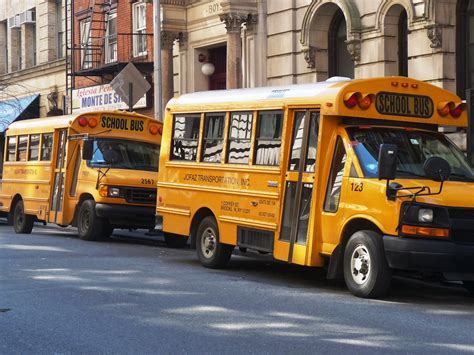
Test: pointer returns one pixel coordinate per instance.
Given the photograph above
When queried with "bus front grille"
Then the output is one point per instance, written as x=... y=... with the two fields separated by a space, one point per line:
x=140 y=195
x=462 y=225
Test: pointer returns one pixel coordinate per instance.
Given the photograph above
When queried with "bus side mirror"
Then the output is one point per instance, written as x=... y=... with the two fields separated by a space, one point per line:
x=387 y=162
x=437 y=169
x=87 y=149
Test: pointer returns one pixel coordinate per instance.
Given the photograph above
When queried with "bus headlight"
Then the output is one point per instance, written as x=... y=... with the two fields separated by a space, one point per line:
x=425 y=215
x=114 y=192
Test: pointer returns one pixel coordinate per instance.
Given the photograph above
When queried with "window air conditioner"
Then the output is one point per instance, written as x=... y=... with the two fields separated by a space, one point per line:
x=14 y=22
x=28 y=16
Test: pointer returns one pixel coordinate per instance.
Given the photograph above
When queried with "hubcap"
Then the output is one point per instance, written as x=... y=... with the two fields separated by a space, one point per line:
x=85 y=220
x=360 y=264
x=19 y=217
x=208 y=243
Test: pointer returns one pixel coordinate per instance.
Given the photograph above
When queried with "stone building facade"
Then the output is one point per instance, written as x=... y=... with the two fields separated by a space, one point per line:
x=275 y=42
x=32 y=53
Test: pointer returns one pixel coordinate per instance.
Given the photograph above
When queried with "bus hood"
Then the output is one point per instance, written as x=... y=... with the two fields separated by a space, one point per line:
x=132 y=178
x=453 y=194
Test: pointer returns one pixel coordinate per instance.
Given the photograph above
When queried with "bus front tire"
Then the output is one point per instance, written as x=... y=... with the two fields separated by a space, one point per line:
x=175 y=241
x=366 y=271
x=22 y=223
x=211 y=253
x=89 y=225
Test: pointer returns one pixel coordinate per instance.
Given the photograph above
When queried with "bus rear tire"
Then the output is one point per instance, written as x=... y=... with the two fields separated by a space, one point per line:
x=366 y=271
x=22 y=223
x=89 y=226
x=211 y=252
x=175 y=241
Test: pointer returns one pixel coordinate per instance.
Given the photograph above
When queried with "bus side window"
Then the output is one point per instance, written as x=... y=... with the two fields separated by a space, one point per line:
x=333 y=192
x=11 y=148
x=213 y=137
x=22 y=145
x=268 y=139
x=33 y=150
x=46 y=146
x=185 y=137
x=240 y=133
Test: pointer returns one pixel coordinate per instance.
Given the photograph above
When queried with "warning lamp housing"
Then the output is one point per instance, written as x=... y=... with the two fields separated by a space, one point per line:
x=455 y=109
x=362 y=100
x=82 y=121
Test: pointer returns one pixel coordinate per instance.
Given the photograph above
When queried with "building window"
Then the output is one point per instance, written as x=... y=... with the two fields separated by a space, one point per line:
x=139 y=29
x=111 y=38
x=59 y=30
x=86 y=42
x=465 y=47
x=403 y=44
x=340 y=61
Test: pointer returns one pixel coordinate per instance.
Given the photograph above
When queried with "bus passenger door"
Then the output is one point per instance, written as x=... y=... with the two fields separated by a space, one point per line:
x=299 y=182
x=59 y=173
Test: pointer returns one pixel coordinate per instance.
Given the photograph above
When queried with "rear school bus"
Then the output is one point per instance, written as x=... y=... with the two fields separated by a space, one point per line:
x=348 y=175
x=96 y=171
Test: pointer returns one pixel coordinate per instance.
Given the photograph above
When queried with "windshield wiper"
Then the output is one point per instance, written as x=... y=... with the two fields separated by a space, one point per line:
x=410 y=173
x=460 y=176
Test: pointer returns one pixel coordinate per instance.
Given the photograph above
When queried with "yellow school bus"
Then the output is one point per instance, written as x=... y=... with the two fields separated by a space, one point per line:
x=96 y=171
x=351 y=175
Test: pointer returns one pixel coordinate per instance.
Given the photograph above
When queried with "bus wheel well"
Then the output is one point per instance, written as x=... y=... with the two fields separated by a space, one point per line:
x=15 y=200
x=335 y=269
x=83 y=197
x=198 y=217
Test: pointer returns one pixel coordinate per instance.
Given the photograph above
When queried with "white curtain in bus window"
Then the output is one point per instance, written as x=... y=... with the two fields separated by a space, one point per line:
x=22 y=145
x=267 y=150
x=240 y=133
x=213 y=140
x=33 y=150
x=185 y=137
x=11 y=148
x=298 y=132
x=333 y=192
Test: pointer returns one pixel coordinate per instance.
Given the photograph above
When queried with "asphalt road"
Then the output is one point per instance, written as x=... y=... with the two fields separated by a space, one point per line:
x=61 y=295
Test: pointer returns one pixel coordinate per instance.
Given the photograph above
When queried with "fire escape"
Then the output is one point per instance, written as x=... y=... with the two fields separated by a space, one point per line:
x=98 y=51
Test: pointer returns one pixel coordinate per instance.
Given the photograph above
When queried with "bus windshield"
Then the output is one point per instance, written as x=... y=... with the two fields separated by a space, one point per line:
x=414 y=147
x=123 y=154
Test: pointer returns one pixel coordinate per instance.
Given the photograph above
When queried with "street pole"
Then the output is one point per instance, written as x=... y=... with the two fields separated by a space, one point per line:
x=158 y=90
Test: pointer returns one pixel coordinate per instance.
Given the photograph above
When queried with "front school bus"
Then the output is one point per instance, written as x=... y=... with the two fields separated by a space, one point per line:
x=96 y=171
x=351 y=175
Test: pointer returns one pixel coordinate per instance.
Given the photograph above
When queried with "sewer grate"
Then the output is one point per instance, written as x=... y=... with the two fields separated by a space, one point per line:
x=3 y=310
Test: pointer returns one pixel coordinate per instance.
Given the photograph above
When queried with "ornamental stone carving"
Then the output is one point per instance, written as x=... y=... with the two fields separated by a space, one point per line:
x=353 y=47
x=310 y=56
x=233 y=22
x=435 y=35
x=168 y=38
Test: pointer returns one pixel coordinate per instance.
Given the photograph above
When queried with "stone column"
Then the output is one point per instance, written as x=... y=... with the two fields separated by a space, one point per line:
x=28 y=47
x=233 y=23
x=167 y=40
x=3 y=43
x=14 y=50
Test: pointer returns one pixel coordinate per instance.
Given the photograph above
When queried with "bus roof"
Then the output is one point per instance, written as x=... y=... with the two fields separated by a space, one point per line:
x=51 y=123
x=257 y=94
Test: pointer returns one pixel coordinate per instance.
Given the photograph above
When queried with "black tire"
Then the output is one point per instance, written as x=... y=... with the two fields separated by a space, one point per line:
x=366 y=271
x=22 y=223
x=89 y=226
x=469 y=286
x=174 y=240
x=210 y=251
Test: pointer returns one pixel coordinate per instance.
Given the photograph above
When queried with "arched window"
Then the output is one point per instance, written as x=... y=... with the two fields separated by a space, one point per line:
x=403 y=44
x=339 y=59
x=465 y=46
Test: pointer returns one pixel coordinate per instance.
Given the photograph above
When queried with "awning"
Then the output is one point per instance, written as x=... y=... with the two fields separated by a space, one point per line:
x=24 y=107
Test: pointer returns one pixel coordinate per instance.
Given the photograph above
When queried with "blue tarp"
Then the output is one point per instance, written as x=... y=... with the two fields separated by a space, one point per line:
x=11 y=109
